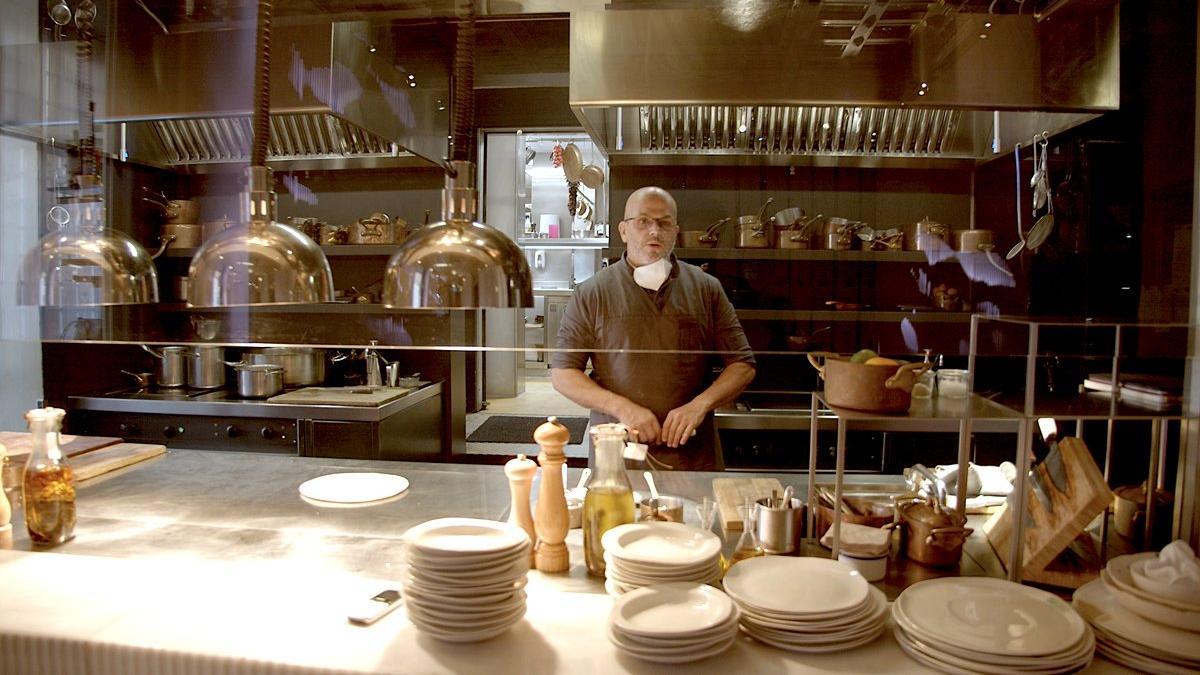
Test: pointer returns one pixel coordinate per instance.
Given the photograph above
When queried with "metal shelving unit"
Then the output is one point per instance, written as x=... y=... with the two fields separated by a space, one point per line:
x=786 y=254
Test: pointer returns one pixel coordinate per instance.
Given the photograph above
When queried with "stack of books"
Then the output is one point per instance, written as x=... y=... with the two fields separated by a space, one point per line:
x=1153 y=392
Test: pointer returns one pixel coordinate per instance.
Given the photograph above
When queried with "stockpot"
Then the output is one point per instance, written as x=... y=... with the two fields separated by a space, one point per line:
x=172 y=369
x=302 y=366
x=206 y=367
x=258 y=380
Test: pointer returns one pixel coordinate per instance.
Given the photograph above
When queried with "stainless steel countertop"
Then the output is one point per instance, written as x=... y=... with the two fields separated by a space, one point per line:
x=258 y=409
x=937 y=414
x=245 y=506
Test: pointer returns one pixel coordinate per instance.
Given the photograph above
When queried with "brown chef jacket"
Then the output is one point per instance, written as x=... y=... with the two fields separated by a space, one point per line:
x=689 y=317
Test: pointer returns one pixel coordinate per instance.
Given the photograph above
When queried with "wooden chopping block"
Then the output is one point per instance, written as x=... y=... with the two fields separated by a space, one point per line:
x=733 y=492
x=20 y=443
x=113 y=457
x=1086 y=497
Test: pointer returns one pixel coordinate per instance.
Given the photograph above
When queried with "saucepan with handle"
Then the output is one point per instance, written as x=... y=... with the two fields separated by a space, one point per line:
x=707 y=238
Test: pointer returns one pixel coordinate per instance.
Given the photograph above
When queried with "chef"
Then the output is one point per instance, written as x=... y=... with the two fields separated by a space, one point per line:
x=651 y=325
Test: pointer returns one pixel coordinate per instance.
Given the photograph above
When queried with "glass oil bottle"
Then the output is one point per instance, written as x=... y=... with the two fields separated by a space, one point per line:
x=609 y=500
x=48 y=484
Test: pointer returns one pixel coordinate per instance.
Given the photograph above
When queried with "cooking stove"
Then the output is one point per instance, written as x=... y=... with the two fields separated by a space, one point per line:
x=408 y=426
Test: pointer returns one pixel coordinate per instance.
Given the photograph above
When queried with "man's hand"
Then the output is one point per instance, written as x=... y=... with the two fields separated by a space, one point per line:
x=682 y=422
x=642 y=421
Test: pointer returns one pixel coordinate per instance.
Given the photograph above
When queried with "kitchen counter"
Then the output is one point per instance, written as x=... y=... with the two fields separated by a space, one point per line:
x=198 y=561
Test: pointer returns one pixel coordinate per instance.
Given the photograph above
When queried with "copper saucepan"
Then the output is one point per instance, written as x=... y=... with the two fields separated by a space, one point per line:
x=702 y=238
x=752 y=232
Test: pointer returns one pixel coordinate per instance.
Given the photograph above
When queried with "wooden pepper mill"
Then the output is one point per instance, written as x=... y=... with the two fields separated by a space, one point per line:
x=552 y=519
x=520 y=479
x=6 y=535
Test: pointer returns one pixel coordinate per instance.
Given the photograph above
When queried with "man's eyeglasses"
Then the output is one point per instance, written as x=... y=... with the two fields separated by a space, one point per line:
x=644 y=222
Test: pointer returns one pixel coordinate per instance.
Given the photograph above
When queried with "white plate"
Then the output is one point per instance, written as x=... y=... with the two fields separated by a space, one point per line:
x=474 y=600
x=725 y=630
x=1119 y=568
x=978 y=661
x=1161 y=589
x=796 y=586
x=703 y=577
x=679 y=658
x=876 y=610
x=1151 y=610
x=475 y=612
x=466 y=636
x=661 y=543
x=1099 y=607
x=465 y=537
x=819 y=648
x=676 y=609
x=507 y=573
x=629 y=644
x=353 y=488
x=472 y=563
x=462 y=590
x=989 y=615
x=1139 y=662
x=462 y=624
x=660 y=569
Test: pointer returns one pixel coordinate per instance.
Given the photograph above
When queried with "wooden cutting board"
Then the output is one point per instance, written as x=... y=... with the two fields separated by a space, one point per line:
x=732 y=492
x=20 y=443
x=358 y=396
x=113 y=457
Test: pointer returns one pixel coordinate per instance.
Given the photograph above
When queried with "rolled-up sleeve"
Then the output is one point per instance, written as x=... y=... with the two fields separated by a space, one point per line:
x=731 y=342
x=576 y=337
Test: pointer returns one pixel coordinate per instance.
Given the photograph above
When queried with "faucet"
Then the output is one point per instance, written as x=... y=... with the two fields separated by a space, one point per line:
x=373 y=358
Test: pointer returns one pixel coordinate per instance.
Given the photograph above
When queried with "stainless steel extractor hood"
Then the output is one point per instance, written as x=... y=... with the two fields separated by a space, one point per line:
x=859 y=83
x=341 y=96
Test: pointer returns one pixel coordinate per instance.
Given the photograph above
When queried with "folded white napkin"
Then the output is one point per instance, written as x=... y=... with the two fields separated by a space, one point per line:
x=981 y=480
x=860 y=541
x=1176 y=566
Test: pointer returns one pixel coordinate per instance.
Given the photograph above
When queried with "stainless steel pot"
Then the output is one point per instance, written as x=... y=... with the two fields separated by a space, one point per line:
x=932 y=536
x=172 y=369
x=206 y=367
x=187 y=235
x=752 y=231
x=258 y=380
x=301 y=365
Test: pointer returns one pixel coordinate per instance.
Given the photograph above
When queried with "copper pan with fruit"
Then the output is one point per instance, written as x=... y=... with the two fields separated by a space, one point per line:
x=867 y=381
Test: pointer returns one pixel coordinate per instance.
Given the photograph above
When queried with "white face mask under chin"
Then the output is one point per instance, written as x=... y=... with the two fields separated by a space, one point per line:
x=652 y=276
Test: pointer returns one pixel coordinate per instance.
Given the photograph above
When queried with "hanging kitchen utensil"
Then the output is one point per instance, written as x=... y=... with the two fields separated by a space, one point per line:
x=572 y=163
x=1016 y=249
x=1041 y=184
x=592 y=176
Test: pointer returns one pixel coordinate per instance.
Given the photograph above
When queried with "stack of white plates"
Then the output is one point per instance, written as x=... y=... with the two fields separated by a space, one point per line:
x=1137 y=628
x=642 y=554
x=981 y=625
x=810 y=605
x=673 y=623
x=465 y=577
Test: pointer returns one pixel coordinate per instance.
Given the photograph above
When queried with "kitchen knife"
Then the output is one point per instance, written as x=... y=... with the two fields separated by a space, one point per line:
x=1053 y=461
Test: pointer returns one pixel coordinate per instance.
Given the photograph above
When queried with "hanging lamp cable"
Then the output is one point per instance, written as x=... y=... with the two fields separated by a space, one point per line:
x=464 y=86
x=85 y=14
x=262 y=85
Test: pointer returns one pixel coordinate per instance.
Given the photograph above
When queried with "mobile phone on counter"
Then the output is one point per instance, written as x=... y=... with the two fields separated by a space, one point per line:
x=369 y=611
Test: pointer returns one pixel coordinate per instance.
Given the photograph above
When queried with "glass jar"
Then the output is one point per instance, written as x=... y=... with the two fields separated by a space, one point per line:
x=48 y=484
x=609 y=500
x=952 y=383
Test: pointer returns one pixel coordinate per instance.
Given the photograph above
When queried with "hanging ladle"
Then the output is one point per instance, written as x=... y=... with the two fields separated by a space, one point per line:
x=1016 y=249
x=1040 y=232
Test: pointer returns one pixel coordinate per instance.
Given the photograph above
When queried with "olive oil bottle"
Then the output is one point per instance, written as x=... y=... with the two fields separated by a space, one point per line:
x=609 y=500
x=48 y=484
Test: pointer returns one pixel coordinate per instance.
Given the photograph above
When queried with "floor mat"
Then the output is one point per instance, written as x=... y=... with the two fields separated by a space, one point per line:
x=519 y=429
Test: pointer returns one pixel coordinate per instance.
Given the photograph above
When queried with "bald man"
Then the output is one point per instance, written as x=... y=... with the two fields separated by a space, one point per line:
x=675 y=312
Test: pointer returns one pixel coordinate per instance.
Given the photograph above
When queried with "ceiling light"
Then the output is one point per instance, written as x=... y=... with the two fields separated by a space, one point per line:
x=259 y=261
x=372 y=49
x=742 y=128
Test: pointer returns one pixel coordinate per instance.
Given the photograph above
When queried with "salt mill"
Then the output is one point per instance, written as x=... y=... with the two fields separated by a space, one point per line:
x=552 y=519
x=520 y=479
x=6 y=536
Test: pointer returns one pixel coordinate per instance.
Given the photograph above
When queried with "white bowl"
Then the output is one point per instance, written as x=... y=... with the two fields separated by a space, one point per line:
x=871 y=569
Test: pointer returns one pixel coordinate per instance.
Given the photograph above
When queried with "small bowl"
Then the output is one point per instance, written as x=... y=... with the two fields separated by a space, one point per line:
x=871 y=569
x=670 y=508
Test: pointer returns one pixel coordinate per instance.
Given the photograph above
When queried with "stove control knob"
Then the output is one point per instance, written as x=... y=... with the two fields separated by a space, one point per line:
x=129 y=428
x=267 y=433
x=232 y=431
x=171 y=431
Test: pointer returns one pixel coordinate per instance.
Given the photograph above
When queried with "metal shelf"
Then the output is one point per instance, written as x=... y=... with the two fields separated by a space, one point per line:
x=786 y=254
x=317 y=308
x=338 y=251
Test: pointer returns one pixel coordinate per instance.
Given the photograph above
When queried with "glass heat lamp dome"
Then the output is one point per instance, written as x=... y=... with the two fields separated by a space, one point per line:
x=80 y=263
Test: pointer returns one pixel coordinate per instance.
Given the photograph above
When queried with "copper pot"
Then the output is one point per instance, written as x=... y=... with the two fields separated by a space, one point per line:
x=872 y=388
x=927 y=235
x=932 y=536
x=374 y=229
x=702 y=238
x=837 y=234
x=973 y=241
x=753 y=231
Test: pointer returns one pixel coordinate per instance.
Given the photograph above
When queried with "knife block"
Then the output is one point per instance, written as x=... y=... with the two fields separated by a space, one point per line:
x=1046 y=558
